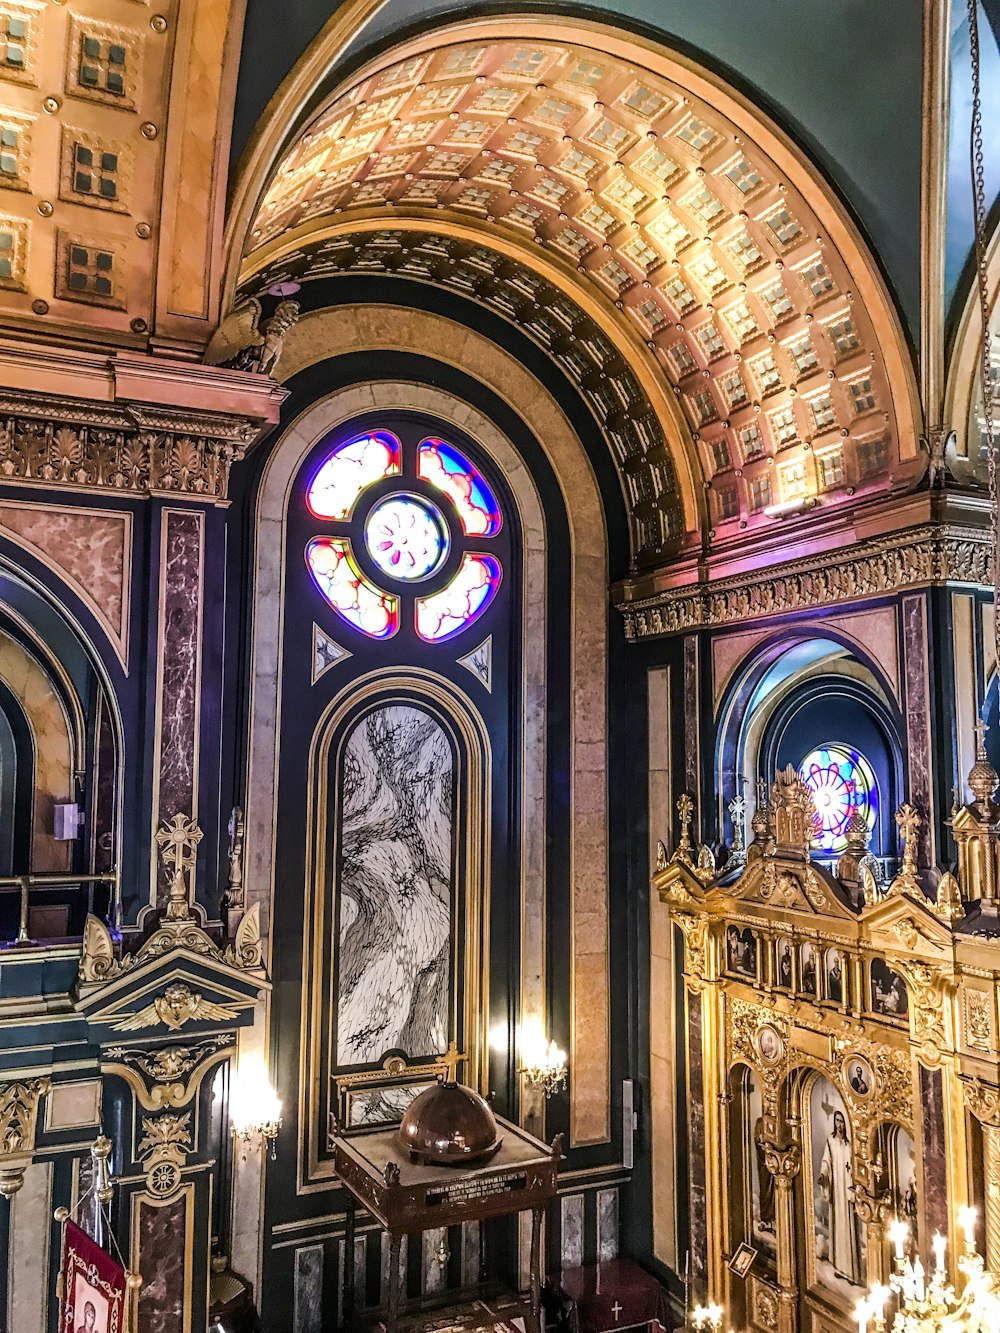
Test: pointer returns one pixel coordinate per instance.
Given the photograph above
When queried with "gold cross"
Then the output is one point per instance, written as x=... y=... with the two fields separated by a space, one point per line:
x=178 y=842
x=909 y=821
x=685 y=806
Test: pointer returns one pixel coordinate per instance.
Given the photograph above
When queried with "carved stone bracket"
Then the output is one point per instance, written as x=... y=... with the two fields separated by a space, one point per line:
x=18 y=1123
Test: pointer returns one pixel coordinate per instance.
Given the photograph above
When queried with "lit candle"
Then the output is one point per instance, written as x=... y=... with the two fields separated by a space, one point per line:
x=967 y=1221
x=861 y=1315
x=715 y=1313
x=918 y=1278
x=877 y=1298
x=898 y=1234
x=939 y=1245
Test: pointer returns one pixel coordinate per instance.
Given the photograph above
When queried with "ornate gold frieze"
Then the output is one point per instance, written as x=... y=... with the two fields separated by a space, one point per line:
x=913 y=558
x=136 y=450
x=168 y=1075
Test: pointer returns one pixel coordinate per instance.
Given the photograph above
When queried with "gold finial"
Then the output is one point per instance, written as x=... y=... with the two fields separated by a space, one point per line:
x=685 y=808
x=908 y=821
x=982 y=776
x=949 y=898
x=178 y=841
x=737 y=812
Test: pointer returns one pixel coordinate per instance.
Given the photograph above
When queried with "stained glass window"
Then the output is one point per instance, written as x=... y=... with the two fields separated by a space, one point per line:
x=406 y=537
x=843 y=784
x=444 y=467
x=388 y=538
x=345 y=587
x=349 y=470
x=462 y=601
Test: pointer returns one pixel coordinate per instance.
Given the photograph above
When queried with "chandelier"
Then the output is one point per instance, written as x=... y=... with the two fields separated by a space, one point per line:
x=927 y=1302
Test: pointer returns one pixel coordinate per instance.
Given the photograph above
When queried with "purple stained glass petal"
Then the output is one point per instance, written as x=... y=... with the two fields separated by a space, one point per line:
x=444 y=467
x=349 y=469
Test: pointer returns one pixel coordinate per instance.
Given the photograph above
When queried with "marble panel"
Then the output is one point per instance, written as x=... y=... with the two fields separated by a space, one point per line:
x=90 y=548
x=386 y=1272
x=918 y=722
x=161 y=1231
x=692 y=735
x=307 y=1298
x=607 y=1225
x=932 y=1152
x=360 y=1261
x=395 y=888
x=573 y=1231
x=697 y=1200
x=434 y=1243
x=31 y=1229
x=181 y=571
x=471 y=1253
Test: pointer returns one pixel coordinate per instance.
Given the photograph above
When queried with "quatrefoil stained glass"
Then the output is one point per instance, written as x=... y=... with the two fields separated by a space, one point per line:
x=417 y=531
x=843 y=784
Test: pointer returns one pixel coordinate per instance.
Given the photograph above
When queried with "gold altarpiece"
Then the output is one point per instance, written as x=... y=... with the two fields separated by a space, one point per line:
x=843 y=1061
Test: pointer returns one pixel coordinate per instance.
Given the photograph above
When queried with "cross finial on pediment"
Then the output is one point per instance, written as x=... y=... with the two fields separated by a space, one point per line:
x=178 y=841
x=981 y=728
x=908 y=822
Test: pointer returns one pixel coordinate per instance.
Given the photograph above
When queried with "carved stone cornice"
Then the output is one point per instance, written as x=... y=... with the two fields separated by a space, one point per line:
x=914 y=557
x=180 y=435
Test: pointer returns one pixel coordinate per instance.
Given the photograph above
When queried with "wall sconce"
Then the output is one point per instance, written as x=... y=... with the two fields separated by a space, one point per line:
x=543 y=1063
x=254 y=1108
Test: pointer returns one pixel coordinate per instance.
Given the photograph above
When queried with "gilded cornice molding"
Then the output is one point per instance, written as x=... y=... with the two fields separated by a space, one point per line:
x=915 y=557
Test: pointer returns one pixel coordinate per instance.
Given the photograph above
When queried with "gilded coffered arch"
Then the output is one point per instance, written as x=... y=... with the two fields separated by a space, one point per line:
x=621 y=179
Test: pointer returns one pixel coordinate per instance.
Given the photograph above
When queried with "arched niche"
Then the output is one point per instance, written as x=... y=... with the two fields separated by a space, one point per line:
x=800 y=690
x=325 y=334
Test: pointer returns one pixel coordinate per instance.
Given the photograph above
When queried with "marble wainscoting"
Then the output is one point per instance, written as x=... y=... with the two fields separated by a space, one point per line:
x=308 y=1290
x=933 y=1153
x=395 y=889
x=181 y=573
x=162 y=1233
x=29 y=1255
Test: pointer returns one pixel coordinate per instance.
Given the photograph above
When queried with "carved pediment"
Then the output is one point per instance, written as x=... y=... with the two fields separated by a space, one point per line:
x=792 y=886
x=179 y=992
x=910 y=923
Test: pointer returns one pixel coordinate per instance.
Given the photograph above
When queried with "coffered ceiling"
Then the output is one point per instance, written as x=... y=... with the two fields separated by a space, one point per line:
x=765 y=344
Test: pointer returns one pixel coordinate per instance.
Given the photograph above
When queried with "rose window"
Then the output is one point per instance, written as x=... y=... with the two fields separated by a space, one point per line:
x=409 y=535
x=842 y=784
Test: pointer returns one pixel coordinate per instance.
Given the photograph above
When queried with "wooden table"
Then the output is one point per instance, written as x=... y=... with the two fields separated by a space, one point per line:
x=408 y=1197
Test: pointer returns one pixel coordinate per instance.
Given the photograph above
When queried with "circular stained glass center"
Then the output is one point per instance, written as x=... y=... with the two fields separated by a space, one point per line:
x=843 y=785
x=406 y=537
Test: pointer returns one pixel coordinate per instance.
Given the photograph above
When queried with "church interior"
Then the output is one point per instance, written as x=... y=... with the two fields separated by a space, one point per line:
x=499 y=676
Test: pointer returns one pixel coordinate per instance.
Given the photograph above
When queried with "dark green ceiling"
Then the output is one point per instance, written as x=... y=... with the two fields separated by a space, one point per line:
x=842 y=76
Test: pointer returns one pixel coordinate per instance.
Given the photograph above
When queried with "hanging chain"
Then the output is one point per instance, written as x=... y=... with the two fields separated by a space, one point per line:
x=982 y=283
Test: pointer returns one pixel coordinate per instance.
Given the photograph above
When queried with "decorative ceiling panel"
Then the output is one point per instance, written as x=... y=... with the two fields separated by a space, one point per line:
x=652 y=202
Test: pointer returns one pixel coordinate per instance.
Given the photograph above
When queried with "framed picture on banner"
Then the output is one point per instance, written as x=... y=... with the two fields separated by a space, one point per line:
x=93 y=1286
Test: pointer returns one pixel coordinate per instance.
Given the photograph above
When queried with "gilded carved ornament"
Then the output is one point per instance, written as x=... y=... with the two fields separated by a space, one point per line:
x=163 y=1150
x=178 y=929
x=19 y=1104
x=168 y=1075
x=983 y=1101
x=178 y=1005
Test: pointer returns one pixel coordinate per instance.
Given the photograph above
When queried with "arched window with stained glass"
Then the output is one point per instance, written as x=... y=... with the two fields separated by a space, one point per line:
x=843 y=784
x=406 y=535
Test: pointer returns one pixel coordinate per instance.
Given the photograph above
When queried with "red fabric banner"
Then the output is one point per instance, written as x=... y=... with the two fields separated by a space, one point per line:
x=93 y=1286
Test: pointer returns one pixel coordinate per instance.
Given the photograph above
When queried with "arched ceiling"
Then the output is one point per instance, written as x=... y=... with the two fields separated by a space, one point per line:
x=714 y=259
